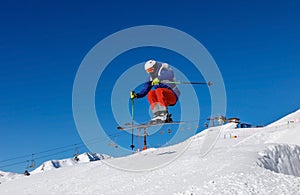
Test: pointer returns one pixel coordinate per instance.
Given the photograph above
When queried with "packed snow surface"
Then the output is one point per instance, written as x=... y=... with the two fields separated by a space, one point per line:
x=219 y=160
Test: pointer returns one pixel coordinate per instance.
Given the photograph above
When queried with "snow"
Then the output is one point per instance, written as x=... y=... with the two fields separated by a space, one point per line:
x=291 y=118
x=281 y=159
x=240 y=161
x=7 y=176
x=83 y=158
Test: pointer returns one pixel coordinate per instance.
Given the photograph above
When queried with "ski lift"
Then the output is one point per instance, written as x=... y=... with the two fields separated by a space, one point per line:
x=113 y=144
x=32 y=162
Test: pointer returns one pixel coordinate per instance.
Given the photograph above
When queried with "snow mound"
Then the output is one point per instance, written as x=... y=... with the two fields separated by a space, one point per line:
x=285 y=130
x=82 y=158
x=8 y=176
x=89 y=157
x=281 y=158
x=291 y=118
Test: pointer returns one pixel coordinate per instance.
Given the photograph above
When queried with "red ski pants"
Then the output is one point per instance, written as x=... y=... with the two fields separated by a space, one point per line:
x=163 y=96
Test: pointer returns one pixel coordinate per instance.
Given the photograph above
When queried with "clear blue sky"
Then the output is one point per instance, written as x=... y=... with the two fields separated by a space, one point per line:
x=256 y=46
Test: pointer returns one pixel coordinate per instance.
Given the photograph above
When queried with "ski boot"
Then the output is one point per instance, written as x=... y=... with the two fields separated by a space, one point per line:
x=162 y=117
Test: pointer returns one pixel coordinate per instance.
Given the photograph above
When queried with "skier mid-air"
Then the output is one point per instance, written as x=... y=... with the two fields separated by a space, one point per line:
x=161 y=89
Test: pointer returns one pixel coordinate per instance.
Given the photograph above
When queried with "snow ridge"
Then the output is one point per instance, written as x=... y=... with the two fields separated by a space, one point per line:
x=281 y=158
x=291 y=118
x=82 y=158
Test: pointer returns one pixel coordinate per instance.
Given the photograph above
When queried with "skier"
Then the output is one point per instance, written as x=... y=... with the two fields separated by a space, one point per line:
x=164 y=94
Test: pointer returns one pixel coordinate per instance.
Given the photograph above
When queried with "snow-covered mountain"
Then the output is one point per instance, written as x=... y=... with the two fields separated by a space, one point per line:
x=56 y=164
x=82 y=158
x=219 y=160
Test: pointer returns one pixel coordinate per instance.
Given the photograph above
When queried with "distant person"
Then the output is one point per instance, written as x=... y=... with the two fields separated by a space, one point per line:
x=164 y=93
x=26 y=173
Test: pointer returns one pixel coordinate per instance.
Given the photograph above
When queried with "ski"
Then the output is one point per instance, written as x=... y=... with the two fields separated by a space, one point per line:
x=147 y=125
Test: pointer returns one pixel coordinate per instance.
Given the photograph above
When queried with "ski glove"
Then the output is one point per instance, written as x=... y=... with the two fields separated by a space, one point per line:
x=155 y=82
x=133 y=95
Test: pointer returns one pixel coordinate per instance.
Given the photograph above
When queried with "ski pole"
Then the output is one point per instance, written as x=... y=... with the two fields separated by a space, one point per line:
x=188 y=83
x=132 y=122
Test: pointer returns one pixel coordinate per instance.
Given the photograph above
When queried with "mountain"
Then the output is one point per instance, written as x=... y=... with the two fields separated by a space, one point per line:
x=82 y=158
x=56 y=164
x=218 y=160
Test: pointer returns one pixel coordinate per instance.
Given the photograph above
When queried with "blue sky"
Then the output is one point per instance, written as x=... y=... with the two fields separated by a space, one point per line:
x=256 y=46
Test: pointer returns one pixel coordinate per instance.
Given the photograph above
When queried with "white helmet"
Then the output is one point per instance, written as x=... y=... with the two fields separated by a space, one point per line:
x=149 y=64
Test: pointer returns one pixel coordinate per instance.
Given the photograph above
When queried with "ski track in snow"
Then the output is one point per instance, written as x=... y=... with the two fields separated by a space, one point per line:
x=240 y=161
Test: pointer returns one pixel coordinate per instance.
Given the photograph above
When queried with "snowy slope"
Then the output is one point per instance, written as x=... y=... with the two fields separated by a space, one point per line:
x=291 y=118
x=7 y=176
x=241 y=161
